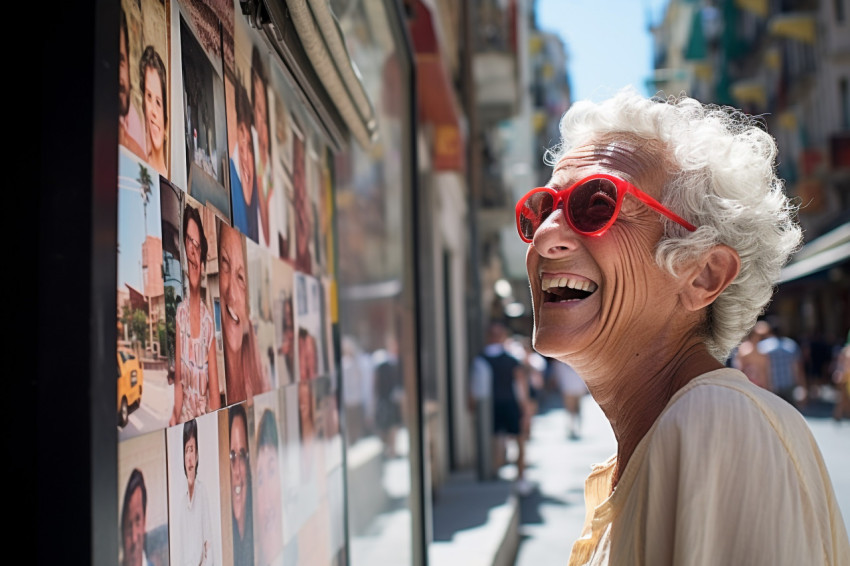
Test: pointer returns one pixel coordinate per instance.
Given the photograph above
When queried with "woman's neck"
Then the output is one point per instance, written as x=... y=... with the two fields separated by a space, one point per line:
x=632 y=397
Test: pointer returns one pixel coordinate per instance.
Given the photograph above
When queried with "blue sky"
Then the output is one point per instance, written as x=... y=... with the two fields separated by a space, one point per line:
x=131 y=219
x=608 y=42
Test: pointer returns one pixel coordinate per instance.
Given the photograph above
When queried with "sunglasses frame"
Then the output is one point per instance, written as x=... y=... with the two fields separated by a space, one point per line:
x=623 y=188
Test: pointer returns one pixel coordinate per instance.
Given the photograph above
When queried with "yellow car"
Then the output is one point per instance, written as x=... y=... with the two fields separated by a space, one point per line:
x=130 y=379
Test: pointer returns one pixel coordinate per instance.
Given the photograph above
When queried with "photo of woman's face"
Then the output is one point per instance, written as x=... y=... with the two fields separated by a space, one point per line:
x=233 y=284
x=193 y=254
x=239 y=468
x=154 y=113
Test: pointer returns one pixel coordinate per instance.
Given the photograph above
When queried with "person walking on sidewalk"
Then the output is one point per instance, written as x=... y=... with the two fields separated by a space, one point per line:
x=652 y=250
x=509 y=391
x=572 y=388
x=786 y=362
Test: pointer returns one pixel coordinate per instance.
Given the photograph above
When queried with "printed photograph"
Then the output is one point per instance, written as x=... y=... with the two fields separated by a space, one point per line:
x=143 y=87
x=237 y=458
x=143 y=501
x=319 y=204
x=261 y=308
x=144 y=396
x=309 y=326
x=194 y=491
x=245 y=376
x=212 y=22
x=198 y=379
x=304 y=223
x=282 y=95
x=283 y=309
x=171 y=207
x=269 y=547
x=205 y=131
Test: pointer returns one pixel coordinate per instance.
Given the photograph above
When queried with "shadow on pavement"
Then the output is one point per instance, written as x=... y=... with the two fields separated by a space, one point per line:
x=466 y=504
x=529 y=506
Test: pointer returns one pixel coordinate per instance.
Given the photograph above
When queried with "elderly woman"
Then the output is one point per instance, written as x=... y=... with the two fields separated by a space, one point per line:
x=653 y=249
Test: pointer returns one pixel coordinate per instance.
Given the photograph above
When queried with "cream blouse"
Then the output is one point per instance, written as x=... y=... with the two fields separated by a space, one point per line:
x=728 y=474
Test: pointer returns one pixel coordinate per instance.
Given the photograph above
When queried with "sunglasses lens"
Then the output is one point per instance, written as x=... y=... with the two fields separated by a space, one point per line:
x=534 y=211
x=592 y=205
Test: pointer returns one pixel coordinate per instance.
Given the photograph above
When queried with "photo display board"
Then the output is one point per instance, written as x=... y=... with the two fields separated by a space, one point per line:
x=229 y=442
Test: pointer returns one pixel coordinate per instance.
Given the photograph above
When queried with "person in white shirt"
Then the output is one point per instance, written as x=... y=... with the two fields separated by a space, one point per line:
x=653 y=249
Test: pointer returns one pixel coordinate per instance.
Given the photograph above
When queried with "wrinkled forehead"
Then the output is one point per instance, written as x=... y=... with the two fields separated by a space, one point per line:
x=626 y=155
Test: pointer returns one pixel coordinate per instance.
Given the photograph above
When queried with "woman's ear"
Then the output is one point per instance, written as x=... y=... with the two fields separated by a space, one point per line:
x=709 y=276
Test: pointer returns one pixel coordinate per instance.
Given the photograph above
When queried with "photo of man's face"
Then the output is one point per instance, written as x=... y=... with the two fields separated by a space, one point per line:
x=133 y=530
x=190 y=460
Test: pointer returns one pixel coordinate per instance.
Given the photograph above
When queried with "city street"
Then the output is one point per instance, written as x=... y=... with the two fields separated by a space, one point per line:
x=552 y=517
x=156 y=405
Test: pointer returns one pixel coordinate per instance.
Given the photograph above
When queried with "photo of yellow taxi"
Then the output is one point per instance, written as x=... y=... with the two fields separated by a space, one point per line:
x=130 y=380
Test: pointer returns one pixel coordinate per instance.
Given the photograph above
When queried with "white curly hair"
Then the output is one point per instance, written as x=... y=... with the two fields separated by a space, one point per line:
x=721 y=176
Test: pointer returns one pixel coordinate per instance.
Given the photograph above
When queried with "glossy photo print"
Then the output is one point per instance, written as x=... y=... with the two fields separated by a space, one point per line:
x=143 y=86
x=142 y=501
x=198 y=377
x=283 y=315
x=237 y=472
x=194 y=492
x=244 y=188
x=171 y=206
x=205 y=127
x=249 y=137
x=311 y=327
x=319 y=204
x=282 y=100
x=304 y=224
x=141 y=349
x=212 y=22
x=244 y=374
x=269 y=539
x=262 y=316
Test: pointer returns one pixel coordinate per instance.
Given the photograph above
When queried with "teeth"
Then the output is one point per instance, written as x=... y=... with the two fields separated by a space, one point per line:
x=238 y=489
x=552 y=282
x=232 y=314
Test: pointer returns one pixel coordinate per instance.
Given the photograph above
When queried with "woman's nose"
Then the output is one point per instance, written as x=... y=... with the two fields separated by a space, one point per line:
x=554 y=236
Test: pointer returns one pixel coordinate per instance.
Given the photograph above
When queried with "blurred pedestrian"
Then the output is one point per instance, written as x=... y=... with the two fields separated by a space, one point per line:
x=787 y=376
x=509 y=391
x=534 y=366
x=841 y=379
x=572 y=388
x=754 y=364
x=389 y=395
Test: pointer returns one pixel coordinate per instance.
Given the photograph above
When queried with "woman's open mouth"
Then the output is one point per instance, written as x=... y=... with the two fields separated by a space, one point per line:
x=560 y=289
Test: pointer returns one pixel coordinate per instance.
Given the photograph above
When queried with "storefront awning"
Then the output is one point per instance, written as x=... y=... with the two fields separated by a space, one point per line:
x=749 y=90
x=794 y=25
x=821 y=253
x=757 y=7
x=437 y=101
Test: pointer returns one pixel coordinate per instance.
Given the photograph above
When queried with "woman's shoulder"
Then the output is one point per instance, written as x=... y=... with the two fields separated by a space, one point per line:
x=723 y=405
x=729 y=394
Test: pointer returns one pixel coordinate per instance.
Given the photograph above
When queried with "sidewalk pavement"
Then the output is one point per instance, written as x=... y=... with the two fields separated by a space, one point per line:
x=552 y=517
x=486 y=523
